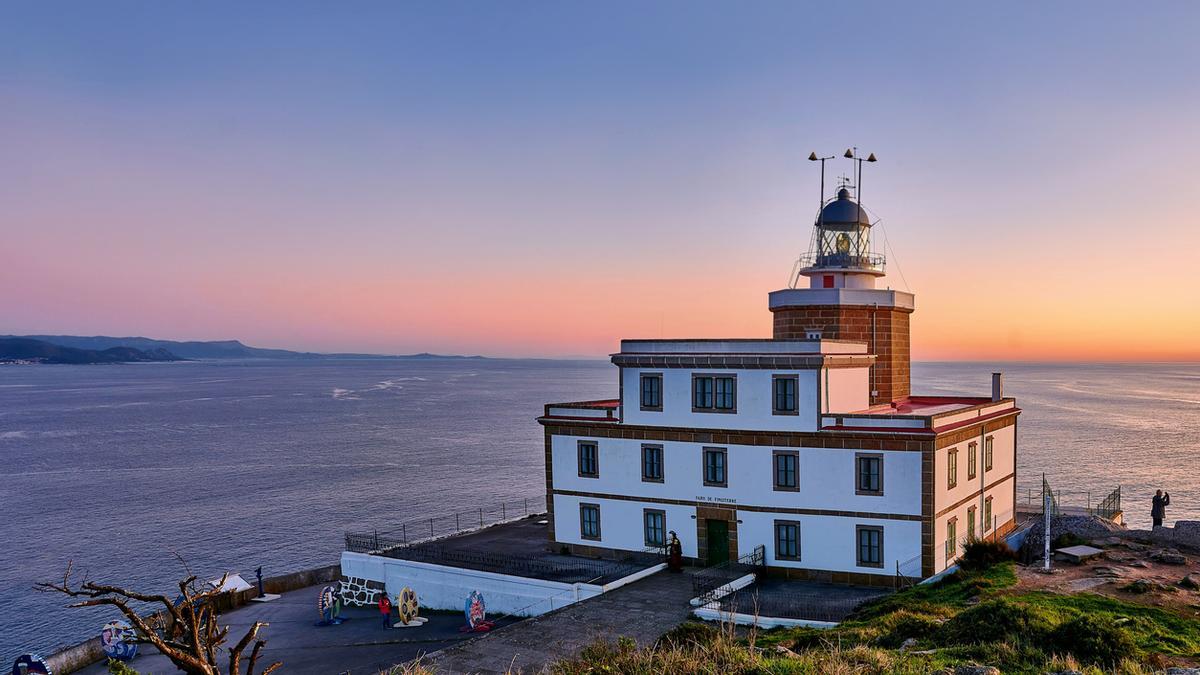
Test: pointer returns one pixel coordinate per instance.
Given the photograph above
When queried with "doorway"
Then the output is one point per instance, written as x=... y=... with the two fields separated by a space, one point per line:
x=717 y=537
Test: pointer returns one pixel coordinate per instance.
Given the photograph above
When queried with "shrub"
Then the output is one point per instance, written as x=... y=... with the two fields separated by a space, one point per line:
x=1095 y=638
x=996 y=620
x=903 y=625
x=690 y=634
x=980 y=555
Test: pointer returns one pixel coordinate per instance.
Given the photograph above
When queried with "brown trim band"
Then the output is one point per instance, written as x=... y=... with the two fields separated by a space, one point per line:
x=850 y=440
x=745 y=361
x=742 y=507
x=975 y=495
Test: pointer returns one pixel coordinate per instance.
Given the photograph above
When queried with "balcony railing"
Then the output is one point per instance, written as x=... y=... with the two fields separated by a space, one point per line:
x=872 y=262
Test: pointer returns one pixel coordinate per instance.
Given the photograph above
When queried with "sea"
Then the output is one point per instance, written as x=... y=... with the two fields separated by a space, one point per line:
x=141 y=474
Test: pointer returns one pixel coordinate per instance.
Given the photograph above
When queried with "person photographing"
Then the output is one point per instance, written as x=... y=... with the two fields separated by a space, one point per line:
x=1158 y=510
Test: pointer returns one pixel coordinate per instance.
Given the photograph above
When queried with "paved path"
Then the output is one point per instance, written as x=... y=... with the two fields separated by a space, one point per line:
x=361 y=646
x=643 y=610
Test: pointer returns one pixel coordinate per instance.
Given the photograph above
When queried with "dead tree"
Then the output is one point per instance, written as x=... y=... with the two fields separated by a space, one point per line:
x=191 y=638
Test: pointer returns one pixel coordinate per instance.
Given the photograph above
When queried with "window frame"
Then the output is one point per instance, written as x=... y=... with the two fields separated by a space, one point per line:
x=799 y=550
x=579 y=445
x=952 y=469
x=646 y=513
x=584 y=506
x=858 y=548
x=858 y=458
x=642 y=378
x=987 y=514
x=704 y=453
x=972 y=460
x=971 y=517
x=988 y=452
x=795 y=380
x=662 y=473
x=951 y=539
x=712 y=378
x=775 y=484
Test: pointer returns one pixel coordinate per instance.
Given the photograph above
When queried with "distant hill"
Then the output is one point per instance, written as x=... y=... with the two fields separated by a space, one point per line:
x=40 y=351
x=217 y=349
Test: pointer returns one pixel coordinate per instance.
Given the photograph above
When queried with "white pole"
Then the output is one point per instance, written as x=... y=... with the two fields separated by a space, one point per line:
x=1046 y=505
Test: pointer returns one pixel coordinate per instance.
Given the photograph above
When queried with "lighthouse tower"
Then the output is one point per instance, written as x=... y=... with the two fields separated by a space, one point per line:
x=841 y=302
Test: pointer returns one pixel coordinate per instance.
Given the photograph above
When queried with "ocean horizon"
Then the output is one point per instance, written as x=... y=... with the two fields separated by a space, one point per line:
x=230 y=465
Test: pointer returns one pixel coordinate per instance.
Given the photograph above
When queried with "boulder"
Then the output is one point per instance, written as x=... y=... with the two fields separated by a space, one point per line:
x=1183 y=671
x=1168 y=557
x=1189 y=582
x=908 y=644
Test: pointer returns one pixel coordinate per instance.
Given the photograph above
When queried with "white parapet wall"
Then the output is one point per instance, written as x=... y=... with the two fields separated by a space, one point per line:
x=713 y=612
x=445 y=587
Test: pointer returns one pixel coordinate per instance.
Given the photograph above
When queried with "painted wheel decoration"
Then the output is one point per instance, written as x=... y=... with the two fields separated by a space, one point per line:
x=407 y=606
x=30 y=663
x=329 y=605
x=476 y=610
x=118 y=640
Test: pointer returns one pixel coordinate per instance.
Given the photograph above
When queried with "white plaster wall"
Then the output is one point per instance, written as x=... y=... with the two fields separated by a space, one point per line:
x=1001 y=478
x=621 y=525
x=754 y=400
x=443 y=587
x=848 y=389
x=827 y=476
x=830 y=542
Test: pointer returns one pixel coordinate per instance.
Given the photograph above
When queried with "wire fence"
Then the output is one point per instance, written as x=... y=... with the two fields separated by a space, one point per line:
x=1105 y=505
x=439 y=527
x=709 y=579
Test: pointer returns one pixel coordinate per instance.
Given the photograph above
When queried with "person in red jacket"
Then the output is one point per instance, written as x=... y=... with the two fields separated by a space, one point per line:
x=385 y=608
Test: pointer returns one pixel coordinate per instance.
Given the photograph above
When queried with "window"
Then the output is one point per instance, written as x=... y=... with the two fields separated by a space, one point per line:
x=827 y=281
x=987 y=454
x=987 y=514
x=654 y=524
x=652 y=463
x=868 y=474
x=714 y=467
x=589 y=460
x=652 y=391
x=787 y=540
x=870 y=545
x=784 y=400
x=971 y=524
x=711 y=393
x=972 y=459
x=787 y=470
x=589 y=521
x=951 y=539
x=952 y=469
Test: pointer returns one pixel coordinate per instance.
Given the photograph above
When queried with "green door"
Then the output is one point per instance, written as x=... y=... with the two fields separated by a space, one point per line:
x=718 y=541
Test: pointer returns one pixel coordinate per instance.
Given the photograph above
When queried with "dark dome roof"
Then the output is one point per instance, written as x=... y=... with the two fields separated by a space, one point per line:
x=844 y=211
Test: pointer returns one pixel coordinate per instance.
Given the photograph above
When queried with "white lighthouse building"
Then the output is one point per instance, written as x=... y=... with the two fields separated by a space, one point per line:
x=808 y=443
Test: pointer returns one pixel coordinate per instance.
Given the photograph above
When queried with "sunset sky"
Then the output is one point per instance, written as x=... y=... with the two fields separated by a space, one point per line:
x=545 y=178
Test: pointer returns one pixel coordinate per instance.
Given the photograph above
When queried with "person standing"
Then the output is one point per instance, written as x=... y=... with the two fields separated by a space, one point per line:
x=675 y=554
x=1159 y=510
x=385 y=608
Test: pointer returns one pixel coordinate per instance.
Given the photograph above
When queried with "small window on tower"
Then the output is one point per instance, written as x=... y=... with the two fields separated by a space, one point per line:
x=827 y=281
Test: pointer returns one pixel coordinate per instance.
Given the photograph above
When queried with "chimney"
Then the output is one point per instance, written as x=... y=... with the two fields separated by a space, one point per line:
x=997 y=386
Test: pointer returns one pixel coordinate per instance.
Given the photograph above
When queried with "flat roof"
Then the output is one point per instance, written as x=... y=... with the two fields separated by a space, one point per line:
x=924 y=406
x=742 y=346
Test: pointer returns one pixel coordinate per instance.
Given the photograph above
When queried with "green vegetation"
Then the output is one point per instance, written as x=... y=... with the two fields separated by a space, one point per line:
x=971 y=617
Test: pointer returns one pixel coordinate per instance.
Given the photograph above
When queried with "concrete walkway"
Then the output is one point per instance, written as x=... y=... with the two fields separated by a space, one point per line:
x=360 y=646
x=643 y=610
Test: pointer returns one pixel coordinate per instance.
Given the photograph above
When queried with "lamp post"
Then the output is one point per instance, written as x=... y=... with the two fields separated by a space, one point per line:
x=812 y=157
x=852 y=154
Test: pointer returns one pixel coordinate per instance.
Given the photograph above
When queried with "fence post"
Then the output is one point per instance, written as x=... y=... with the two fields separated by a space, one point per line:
x=376 y=540
x=404 y=533
x=481 y=517
x=503 y=511
x=431 y=528
x=456 y=526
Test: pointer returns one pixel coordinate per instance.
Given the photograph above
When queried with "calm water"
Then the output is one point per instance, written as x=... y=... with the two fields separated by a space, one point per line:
x=235 y=465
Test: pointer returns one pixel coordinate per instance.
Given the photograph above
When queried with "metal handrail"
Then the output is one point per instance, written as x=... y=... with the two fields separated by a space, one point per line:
x=439 y=527
x=709 y=579
x=871 y=261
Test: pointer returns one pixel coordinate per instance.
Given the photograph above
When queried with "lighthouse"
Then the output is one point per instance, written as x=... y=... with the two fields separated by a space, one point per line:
x=833 y=295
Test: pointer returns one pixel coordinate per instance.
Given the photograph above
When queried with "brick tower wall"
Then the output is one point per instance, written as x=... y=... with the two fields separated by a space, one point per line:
x=848 y=322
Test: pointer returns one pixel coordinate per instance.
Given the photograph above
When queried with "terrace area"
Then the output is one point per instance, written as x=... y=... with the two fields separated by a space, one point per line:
x=921 y=414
